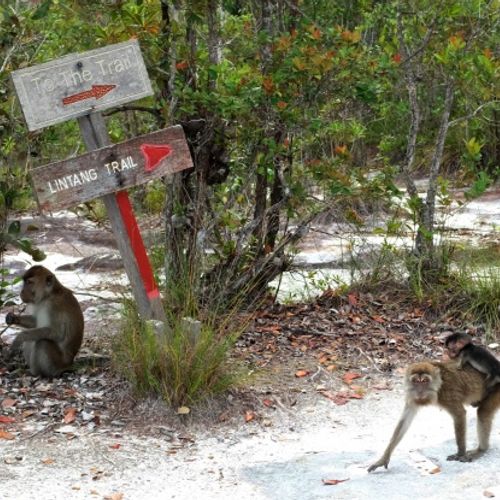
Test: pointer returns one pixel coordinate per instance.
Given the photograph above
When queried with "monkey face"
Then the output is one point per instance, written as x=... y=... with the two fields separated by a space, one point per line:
x=455 y=342
x=423 y=382
x=453 y=349
x=38 y=283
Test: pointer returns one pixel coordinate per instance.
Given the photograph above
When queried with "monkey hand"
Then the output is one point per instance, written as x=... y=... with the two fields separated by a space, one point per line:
x=11 y=318
x=382 y=461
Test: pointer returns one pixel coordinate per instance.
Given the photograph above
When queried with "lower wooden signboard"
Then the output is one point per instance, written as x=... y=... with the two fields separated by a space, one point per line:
x=120 y=166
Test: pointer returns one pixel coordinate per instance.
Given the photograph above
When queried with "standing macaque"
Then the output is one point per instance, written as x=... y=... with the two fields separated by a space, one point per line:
x=54 y=329
x=460 y=346
x=445 y=385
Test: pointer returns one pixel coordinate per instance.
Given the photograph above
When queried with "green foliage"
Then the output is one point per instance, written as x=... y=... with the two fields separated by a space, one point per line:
x=177 y=364
x=480 y=185
x=6 y=283
x=482 y=292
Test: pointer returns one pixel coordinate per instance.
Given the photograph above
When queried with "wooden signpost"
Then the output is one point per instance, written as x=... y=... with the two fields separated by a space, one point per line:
x=78 y=86
x=120 y=166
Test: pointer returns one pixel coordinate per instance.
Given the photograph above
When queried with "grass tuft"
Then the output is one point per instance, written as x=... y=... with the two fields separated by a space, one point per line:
x=181 y=364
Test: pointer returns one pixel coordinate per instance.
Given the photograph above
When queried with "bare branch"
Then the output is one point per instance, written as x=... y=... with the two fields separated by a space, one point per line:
x=473 y=114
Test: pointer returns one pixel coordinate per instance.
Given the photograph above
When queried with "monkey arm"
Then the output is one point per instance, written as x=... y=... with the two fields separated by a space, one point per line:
x=403 y=425
x=26 y=321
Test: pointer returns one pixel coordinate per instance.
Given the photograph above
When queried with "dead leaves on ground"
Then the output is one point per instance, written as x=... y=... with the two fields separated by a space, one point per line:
x=69 y=406
x=341 y=397
x=345 y=332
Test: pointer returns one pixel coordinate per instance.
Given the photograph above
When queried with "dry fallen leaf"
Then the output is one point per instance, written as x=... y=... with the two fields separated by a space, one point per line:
x=6 y=435
x=183 y=410
x=8 y=403
x=333 y=482
x=6 y=420
x=249 y=415
x=350 y=376
x=69 y=415
x=115 y=446
x=302 y=373
x=354 y=395
x=47 y=461
x=114 y=496
x=338 y=399
x=267 y=402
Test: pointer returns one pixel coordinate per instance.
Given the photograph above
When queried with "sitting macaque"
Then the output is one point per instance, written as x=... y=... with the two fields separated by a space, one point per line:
x=460 y=346
x=55 y=327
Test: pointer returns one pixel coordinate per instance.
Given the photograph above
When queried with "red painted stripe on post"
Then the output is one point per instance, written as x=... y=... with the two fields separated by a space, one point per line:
x=137 y=244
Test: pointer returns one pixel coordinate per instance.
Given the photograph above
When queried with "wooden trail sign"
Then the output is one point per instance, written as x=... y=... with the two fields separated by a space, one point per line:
x=103 y=171
x=78 y=84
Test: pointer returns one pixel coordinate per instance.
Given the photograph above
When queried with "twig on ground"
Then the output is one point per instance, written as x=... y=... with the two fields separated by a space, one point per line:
x=369 y=359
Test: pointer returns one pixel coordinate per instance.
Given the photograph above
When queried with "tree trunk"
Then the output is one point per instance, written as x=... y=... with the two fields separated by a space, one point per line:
x=425 y=241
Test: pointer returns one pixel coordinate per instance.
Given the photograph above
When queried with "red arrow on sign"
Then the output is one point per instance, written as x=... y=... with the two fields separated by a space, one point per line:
x=96 y=92
x=154 y=154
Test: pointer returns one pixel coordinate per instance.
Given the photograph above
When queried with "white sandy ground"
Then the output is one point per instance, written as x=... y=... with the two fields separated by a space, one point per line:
x=287 y=460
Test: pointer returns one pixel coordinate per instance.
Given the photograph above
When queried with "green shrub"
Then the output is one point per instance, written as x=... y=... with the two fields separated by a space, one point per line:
x=479 y=296
x=176 y=364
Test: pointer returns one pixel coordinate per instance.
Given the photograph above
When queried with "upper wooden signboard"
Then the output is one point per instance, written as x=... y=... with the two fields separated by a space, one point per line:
x=78 y=84
x=113 y=168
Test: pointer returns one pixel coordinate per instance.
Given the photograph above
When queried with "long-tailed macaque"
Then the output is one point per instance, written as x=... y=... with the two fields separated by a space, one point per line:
x=446 y=385
x=460 y=347
x=55 y=327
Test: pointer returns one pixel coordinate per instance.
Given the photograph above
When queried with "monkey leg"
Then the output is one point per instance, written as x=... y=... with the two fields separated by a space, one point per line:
x=44 y=358
x=32 y=335
x=485 y=414
x=459 y=422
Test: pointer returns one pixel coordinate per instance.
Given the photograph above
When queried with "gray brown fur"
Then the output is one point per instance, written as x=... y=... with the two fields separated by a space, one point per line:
x=450 y=387
x=54 y=329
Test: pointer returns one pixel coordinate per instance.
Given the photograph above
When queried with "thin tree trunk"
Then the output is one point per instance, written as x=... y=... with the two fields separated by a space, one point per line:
x=424 y=238
x=214 y=56
x=415 y=118
x=261 y=180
